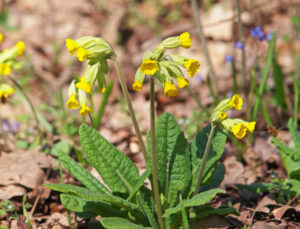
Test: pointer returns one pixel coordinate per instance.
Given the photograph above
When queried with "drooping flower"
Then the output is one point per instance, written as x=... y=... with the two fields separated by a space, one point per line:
x=239 y=130
x=1 y=37
x=84 y=85
x=21 y=47
x=222 y=115
x=251 y=126
x=185 y=40
x=149 y=67
x=84 y=110
x=5 y=69
x=137 y=85
x=236 y=102
x=5 y=91
x=192 y=67
x=72 y=103
x=182 y=82
x=170 y=89
x=71 y=45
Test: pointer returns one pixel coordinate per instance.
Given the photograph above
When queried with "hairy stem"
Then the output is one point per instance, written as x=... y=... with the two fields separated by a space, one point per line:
x=130 y=107
x=205 y=155
x=154 y=161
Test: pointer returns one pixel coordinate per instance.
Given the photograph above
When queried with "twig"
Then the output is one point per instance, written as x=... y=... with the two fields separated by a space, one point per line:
x=199 y=28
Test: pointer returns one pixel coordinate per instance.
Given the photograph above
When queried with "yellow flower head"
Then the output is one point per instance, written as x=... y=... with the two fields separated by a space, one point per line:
x=1 y=37
x=192 y=67
x=72 y=103
x=185 y=40
x=71 y=45
x=5 y=91
x=149 y=67
x=239 y=130
x=84 y=110
x=182 y=82
x=83 y=85
x=222 y=115
x=170 y=89
x=82 y=54
x=137 y=85
x=251 y=126
x=236 y=102
x=4 y=69
x=21 y=47
x=102 y=90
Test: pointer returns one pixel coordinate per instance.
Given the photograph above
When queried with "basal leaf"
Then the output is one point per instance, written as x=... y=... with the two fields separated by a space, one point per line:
x=199 y=199
x=117 y=170
x=214 y=155
x=119 y=223
x=172 y=157
x=295 y=135
x=77 y=204
x=81 y=174
x=139 y=184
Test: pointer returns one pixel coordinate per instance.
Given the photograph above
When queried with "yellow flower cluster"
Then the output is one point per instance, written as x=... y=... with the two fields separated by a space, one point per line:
x=237 y=127
x=95 y=51
x=167 y=68
x=8 y=61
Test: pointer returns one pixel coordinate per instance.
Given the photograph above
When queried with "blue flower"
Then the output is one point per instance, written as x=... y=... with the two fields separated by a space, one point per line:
x=255 y=31
x=261 y=36
x=239 y=45
x=270 y=36
x=229 y=59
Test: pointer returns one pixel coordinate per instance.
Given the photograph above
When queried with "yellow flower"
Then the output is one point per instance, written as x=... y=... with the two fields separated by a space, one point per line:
x=236 y=102
x=5 y=91
x=102 y=90
x=185 y=40
x=1 y=37
x=71 y=45
x=192 y=67
x=84 y=110
x=239 y=130
x=83 y=85
x=170 y=89
x=4 y=69
x=137 y=85
x=182 y=82
x=72 y=103
x=149 y=67
x=251 y=126
x=82 y=54
x=222 y=115
x=21 y=47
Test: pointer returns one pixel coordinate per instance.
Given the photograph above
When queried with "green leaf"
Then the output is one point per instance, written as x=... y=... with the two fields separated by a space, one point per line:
x=264 y=78
x=199 y=199
x=81 y=174
x=197 y=150
x=119 y=223
x=61 y=146
x=279 y=89
x=117 y=170
x=92 y=195
x=77 y=204
x=257 y=188
x=205 y=211
x=289 y=159
x=173 y=167
x=216 y=178
x=139 y=184
x=295 y=135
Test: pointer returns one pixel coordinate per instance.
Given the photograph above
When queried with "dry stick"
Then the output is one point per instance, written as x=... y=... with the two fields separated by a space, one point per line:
x=130 y=107
x=198 y=23
x=242 y=38
x=33 y=110
x=154 y=160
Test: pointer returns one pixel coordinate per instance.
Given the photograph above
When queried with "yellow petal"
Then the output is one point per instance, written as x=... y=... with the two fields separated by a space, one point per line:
x=149 y=67
x=185 y=40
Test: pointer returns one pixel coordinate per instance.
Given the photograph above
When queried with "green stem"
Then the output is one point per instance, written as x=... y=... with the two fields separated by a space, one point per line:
x=197 y=100
x=235 y=84
x=103 y=104
x=90 y=96
x=205 y=155
x=154 y=160
x=242 y=39
x=296 y=97
x=130 y=107
x=266 y=114
x=199 y=28
x=33 y=110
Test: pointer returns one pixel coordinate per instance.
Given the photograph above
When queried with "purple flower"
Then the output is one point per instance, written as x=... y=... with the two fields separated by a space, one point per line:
x=255 y=31
x=239 y=45
x=229 y=59
x=261 y=36
x=270 y=36
x=199 y=77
